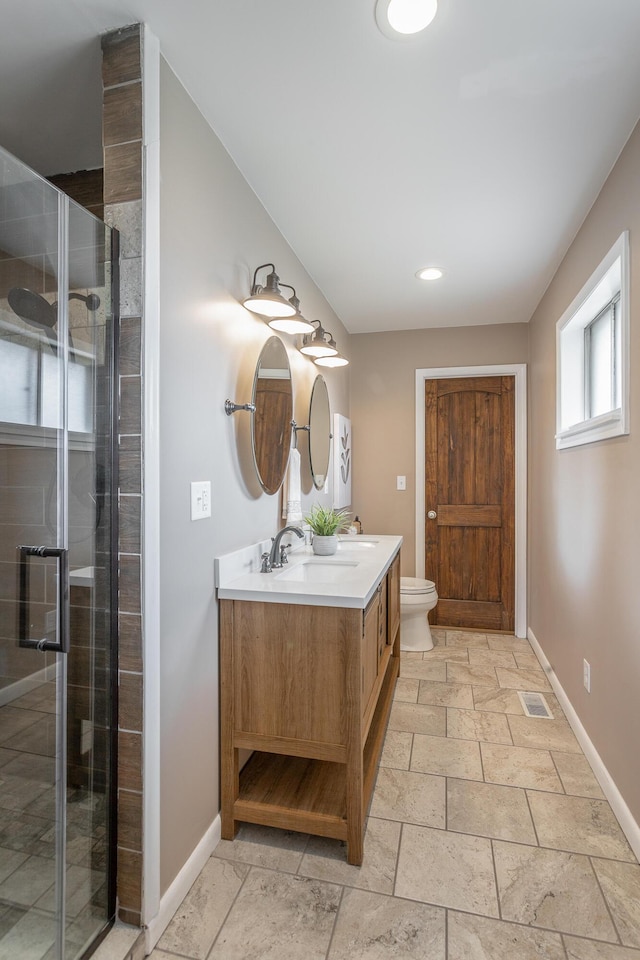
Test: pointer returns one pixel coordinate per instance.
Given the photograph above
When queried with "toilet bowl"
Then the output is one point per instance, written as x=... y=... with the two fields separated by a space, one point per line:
x=417 y=597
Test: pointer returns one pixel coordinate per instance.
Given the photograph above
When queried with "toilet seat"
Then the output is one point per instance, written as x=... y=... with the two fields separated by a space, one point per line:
x=415 y=586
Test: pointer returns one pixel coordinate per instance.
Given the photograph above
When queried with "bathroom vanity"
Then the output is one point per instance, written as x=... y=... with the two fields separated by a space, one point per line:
x=309 y=659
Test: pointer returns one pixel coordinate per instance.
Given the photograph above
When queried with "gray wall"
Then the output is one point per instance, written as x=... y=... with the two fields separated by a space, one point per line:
x=584 y=508
x=214 y=232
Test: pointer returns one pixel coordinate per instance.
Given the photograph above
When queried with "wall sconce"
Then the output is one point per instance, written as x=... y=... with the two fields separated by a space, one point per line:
x=321 y=348
x=295 y=324
x=268 y=301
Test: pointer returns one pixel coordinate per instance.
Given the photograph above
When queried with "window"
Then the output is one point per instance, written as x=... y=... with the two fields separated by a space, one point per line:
x=592 y=338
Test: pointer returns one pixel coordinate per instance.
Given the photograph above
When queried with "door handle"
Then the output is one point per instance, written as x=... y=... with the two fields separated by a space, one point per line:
x=432 y=515
x=61 y=645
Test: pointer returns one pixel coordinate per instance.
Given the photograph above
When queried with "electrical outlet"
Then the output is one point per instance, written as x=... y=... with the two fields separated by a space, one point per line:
x=200 y=499
x=586 y=675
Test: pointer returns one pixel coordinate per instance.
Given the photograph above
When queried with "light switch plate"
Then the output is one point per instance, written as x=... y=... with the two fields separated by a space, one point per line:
x=200 y=499
x=401 y=483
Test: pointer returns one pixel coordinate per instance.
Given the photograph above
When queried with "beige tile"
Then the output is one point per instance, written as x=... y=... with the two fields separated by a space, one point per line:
x=425 y=670
x=528 y=679
x=578 y=949
x=491 y=658
x=418 y=718
x=448 y=869
x=455 y=654
x=10 y=860
x=201 y=914
x=578 y=824
x=410 y=655
x=544 y=734
x=396 y=751
x=406 y=690
x=410 y=797
x=577 y=776
x=438 y=635
x=497 y=700
x=545 y=888
x=466 y=639
x=526 y=659
x=325 y=859
x=472 y=725
x=30 y=880
x=264 y=847
x=520 y=767
x=373 y=927
x=279 y=917
x=447 y=757
x=466 y=673
x=445 y=694
x=489 y=810
x=620 y=883
x=478 y=938
x=512 y=644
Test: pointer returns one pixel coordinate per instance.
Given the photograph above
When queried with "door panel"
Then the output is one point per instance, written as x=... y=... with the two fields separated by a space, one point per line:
x=469 y=483
x=56 y=381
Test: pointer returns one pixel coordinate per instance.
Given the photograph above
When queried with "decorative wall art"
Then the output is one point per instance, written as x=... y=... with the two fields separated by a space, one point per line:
x=341 y=461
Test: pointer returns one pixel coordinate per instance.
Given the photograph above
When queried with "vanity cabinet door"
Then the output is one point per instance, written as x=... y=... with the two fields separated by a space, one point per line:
x=382 y=618
x=393 y=600
x=370 y=637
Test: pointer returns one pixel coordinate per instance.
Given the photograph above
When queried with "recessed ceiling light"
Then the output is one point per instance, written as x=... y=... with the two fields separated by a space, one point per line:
x=429 y=273
x=400 y=19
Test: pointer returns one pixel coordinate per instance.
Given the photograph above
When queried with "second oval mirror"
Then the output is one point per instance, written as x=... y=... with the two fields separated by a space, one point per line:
x=319 y=432
x=271 y=422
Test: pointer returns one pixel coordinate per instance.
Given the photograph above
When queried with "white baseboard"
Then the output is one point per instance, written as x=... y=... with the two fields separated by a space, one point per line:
x=180 y=887
x=18 y=689
x=628 y=824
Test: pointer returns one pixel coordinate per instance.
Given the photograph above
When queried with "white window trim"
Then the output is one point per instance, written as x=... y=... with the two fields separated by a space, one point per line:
x=578 y=315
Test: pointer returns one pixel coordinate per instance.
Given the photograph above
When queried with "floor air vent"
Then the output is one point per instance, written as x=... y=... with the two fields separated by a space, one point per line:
x=535 y=705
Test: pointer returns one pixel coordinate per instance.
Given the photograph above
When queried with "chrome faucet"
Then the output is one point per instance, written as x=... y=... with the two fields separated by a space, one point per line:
x=275 y=560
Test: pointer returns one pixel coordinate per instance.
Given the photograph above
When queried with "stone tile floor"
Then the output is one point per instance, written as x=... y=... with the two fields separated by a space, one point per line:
x=28 y=832
x=488 y=839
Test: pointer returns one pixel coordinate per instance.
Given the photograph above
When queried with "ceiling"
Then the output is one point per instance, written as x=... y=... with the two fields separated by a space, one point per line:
x=479 y=145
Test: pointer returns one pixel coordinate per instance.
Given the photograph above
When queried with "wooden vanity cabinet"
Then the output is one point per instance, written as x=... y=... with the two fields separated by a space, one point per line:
x=308 y=689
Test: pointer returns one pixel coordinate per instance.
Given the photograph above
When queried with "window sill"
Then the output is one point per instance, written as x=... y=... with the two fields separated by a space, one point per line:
x=604 y=427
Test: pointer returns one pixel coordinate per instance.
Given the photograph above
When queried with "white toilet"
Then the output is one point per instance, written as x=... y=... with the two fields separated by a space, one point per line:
x=417 y=597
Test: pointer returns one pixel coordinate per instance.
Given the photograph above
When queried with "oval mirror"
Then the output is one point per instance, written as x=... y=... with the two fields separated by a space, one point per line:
x=271 y=422
x=319 y=432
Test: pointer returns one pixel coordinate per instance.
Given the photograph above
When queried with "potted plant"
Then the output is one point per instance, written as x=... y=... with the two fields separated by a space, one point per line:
x=325 y=524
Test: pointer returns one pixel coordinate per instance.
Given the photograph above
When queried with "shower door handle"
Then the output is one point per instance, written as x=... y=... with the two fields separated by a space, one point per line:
x=61 y=645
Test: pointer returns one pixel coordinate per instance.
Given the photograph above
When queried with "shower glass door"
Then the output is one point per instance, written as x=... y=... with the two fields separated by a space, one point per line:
x=56 y=585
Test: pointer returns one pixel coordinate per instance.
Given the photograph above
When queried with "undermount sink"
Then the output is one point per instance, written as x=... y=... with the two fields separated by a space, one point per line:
x=355 y=543
x=319 y=571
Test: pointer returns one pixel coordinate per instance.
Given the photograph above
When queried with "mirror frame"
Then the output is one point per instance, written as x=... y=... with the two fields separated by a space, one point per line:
x=271 y=427
x=315 y=395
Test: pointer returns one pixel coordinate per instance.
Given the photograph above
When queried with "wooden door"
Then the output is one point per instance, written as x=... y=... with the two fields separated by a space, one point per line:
x=469 y=484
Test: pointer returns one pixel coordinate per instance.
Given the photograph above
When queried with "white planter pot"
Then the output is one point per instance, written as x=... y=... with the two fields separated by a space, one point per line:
x=324 y=546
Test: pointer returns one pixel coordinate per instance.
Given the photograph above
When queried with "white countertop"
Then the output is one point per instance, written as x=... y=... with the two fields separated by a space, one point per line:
x=347 y=579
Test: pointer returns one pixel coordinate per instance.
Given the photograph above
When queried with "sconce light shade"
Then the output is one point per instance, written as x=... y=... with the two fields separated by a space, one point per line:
x=267 y=301
x=295 y=324
x=290 y=324
x=317 y=346
x=337 y=360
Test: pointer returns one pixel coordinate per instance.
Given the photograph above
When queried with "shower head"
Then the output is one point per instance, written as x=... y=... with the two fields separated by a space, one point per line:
x=32 y=308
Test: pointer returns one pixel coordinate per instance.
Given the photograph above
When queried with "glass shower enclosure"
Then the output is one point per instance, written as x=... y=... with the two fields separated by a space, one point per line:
x=58 y=274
